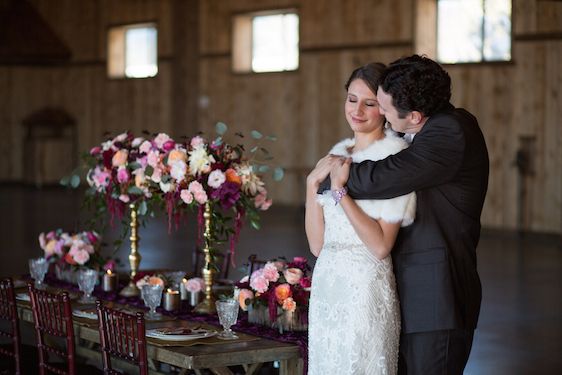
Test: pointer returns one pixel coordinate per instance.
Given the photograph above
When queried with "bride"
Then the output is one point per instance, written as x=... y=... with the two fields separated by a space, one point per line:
x=354 y=316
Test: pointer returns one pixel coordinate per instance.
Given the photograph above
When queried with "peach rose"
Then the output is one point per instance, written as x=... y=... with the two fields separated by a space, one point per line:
x=282 y=292
x=155 y=280
x=243 y=296
x=289 y=305
x=293 y=275
x=120 y=158
x=177 y=155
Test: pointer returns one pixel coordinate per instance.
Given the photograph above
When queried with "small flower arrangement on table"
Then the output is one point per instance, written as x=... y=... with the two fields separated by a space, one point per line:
x=73 y=249
x=280 y=287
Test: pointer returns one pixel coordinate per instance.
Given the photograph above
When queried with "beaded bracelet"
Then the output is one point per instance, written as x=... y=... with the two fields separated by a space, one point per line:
x=339 y=194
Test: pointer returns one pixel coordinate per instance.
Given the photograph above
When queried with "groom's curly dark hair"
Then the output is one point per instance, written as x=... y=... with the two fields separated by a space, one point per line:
x=416 y=83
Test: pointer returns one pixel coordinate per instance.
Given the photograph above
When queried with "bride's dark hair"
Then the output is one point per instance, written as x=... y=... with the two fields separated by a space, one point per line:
x=370 y=74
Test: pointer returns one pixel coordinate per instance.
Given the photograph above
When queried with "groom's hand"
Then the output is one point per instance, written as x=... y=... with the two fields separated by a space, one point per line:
x=332 y=161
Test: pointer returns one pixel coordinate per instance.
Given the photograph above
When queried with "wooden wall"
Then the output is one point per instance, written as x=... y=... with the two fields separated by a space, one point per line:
x=195 y=87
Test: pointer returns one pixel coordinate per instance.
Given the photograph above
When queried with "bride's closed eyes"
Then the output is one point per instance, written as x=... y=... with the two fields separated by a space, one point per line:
x=368 y=103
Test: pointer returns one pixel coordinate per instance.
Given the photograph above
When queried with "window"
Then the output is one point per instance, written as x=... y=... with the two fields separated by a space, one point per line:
x=132 y=51
x=473 y=30
x=265 y=42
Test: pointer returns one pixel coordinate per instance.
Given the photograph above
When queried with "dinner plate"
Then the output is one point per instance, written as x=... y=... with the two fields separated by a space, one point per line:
x=85 y=314
x=176 y=334
x=23 y=297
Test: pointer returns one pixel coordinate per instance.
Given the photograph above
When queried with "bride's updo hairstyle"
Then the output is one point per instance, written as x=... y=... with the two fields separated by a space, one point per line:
x=370 y=74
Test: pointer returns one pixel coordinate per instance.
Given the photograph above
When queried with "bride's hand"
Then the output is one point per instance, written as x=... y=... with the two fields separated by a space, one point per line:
x=339 y=174
x=322 y=170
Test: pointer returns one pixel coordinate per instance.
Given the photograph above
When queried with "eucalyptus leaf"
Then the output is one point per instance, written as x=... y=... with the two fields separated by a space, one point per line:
x=218 y=141
x=264 y=150
x=134 y=190
x=255 y=224
x=75 y=181
x=221 y=128
x=278 y=174
x=65 y=181
x=256 y=134
x=148 y=171
x=143 y=208
x=134 y=165
x=254 y=149
x=271 y=138
x=263 y=168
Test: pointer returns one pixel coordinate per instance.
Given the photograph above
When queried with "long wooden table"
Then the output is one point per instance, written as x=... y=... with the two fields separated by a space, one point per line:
x=216 y=357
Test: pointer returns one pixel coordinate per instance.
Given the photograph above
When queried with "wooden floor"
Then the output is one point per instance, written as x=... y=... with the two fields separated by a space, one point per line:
x=520 y=328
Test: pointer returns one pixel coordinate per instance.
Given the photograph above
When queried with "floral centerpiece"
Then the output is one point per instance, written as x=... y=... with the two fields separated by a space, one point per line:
x=70 y=251
x=279 y=293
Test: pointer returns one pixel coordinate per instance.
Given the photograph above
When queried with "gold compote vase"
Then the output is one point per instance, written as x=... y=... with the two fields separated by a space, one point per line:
x=207 y=306
x=131 y=290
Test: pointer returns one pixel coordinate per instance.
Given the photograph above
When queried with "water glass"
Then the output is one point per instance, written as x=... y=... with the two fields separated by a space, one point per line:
x=228 y=314
x=87 y=279
x=152 y=296
x=38 y=268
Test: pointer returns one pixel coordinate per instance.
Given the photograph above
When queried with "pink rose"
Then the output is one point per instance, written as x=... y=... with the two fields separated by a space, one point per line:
x=122 y=175
x=200 y=197
x=161 y=139
x=145 y=147
x=119 y=158
x=245 y=279
x=124 y=198
x=195 y=187
x=100 y=178
x=95 y=150
x=270 y=272
x=195 y=284
x=262 y=202
x=80 y=256
x=243 y=297
x=186 y=196
x=153 y=158
x=258 y=282
x=51 y=235
x=289 y=305
x=59 y=247
x=196 y=141
x=292 y=275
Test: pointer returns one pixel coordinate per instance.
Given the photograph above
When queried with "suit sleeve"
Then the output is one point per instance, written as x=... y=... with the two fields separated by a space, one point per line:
x=434 y=158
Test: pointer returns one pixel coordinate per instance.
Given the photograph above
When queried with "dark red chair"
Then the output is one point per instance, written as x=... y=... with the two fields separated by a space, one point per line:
x=122 y=335
x=254 y=264
x=52 y=315
x=9 y=312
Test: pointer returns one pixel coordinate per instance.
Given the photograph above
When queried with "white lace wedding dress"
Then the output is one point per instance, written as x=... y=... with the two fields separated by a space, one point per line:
x=354 y=315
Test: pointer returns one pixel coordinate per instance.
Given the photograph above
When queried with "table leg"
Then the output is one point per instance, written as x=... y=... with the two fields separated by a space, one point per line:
x=293 y=366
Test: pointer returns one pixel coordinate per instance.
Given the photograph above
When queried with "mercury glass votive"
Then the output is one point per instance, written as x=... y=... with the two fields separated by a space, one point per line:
x=171 y=300
x=109 y=282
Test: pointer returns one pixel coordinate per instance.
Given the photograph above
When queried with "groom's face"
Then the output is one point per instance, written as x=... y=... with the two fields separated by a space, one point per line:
x=386 y=108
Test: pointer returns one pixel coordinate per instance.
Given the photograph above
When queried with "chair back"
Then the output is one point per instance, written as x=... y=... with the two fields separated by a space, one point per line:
x=254 y=264
x=9 y=312
x=122 y=335
x=221 y=259
x=52 y=315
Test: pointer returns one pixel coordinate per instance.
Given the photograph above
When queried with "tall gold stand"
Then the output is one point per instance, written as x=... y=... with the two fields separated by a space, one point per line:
x=207 y=306
x=131 y=290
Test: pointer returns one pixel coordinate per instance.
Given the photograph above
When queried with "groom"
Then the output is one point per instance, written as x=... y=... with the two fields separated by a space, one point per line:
x=435 y=258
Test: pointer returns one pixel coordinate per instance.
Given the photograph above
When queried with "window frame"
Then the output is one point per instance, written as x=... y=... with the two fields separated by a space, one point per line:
x=483 y=59
x=246 y=53
x=124 y=27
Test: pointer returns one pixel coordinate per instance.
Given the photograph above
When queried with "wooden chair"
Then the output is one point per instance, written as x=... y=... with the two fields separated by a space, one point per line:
x=9 y=312
x=122 y=335
x=222 y=260
x=52 y=315
x=254 y=263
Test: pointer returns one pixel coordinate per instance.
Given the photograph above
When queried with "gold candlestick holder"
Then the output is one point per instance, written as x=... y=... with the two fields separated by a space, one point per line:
x=207 y=306
x=131 y=290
